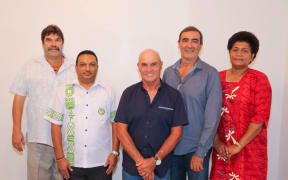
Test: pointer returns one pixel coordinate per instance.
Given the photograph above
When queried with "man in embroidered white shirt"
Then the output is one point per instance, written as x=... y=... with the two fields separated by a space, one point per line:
x=81 y=114
x=35 y=84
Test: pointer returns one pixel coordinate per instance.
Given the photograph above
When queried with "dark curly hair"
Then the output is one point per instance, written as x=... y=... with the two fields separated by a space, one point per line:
x=244 y=36
x=51 y=29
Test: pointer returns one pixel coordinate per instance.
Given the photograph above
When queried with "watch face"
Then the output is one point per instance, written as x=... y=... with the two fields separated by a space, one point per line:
x=158 y=161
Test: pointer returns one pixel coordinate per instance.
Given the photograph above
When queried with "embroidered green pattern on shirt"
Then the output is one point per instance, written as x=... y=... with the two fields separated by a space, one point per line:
x=69 y=91
x=69 y=103
x=55 y=115
x=69 y=99
x=112 y=114
x=70 y=127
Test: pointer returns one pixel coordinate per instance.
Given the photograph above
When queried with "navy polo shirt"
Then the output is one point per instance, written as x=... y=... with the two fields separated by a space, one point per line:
x=149 y=124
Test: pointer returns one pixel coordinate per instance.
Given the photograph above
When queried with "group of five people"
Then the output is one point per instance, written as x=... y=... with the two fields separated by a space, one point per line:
x=167 y=127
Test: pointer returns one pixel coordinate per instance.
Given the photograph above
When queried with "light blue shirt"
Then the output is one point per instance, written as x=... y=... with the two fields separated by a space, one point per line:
x=38 y=81
x=202 y=96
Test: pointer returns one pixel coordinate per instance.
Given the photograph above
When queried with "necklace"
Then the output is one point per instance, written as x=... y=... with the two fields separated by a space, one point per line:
x=57 y=67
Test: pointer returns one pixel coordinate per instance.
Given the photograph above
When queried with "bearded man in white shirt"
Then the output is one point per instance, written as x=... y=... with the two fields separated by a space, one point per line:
x=37 y=81
x=81 y=113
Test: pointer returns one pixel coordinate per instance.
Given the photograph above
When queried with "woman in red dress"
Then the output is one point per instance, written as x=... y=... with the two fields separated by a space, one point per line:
x=240 y=145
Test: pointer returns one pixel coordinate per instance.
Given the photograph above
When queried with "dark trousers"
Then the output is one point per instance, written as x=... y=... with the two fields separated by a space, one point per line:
x=95 y=173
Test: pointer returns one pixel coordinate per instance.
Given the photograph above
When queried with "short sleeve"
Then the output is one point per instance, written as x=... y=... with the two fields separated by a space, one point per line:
x=55 y=110
x=263 y=96
x=113 y=108
x=121 y=111
x=180 y=115
x=20 y=84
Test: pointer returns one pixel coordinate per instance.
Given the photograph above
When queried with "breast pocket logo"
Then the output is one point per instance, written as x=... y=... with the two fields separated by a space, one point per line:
x=101 y=111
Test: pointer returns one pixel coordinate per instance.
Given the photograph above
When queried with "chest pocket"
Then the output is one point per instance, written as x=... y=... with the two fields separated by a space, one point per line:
x=164 y=114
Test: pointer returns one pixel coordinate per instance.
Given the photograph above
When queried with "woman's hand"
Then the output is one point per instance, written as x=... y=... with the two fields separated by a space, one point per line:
x=233 y=150
x=222 y=149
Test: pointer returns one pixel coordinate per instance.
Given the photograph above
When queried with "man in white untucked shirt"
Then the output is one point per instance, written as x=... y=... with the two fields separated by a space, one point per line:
x=81 y=114
x=37 y=81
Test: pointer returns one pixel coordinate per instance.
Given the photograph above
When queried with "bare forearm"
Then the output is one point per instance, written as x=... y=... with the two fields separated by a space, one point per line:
x=115 y=140
x=217 y=140
x=170 y=142
x=57 y=140
x=253 y=130
x=17 y=110
x=128 y=143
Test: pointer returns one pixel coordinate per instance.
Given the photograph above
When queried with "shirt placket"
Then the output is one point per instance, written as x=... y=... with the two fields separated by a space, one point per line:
x=85 y=130
x=147 y=119
x=186 y=78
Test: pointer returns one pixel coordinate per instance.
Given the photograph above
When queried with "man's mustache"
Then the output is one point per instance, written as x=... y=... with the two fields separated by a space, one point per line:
x=54 y=48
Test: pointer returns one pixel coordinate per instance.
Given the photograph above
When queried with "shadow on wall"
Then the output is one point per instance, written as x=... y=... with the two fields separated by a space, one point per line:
x=283 y=157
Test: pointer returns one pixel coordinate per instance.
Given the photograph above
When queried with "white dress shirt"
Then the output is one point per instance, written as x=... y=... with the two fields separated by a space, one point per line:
x=86 y=117
x=38 y=81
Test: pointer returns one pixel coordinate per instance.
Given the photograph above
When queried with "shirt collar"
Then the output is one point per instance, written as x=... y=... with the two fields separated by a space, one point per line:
x=96 y=83
x=159 y=89
x=198 y=65
x=66 y=64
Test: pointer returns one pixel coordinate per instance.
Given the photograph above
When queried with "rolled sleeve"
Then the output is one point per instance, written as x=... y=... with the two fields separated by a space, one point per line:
x=180 y=115
x=212 y=113
x=121 y=111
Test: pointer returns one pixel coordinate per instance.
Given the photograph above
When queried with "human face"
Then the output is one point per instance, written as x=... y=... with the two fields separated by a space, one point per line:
x=86 y=68
x=240 y=55
x=149 y=66
x=190 y=45
x=52 y=46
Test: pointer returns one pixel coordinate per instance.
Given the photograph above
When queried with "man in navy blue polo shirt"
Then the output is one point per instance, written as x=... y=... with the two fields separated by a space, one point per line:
x=149 y=120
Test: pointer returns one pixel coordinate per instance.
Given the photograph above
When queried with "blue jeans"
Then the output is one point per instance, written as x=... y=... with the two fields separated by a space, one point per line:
x=181 y=165
x=127 y=176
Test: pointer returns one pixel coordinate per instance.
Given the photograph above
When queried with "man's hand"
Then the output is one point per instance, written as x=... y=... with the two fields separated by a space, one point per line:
x=196 y=163
x=146 y=168
x=64 y=167
x=18 y=140
x=17 y=135
x=149 y=176
x=112 y=162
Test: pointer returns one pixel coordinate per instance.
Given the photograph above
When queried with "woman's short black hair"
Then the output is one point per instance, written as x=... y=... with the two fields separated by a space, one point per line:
x=244 y=36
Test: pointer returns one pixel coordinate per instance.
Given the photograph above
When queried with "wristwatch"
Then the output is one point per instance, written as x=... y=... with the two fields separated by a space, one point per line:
x=157 y=161
x=115 y=153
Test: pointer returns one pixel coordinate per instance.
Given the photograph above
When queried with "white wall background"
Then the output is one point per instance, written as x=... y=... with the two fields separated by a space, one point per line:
x=118 y=30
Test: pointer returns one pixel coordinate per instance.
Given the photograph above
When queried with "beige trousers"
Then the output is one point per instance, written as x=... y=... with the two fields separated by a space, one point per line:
x=41 y=162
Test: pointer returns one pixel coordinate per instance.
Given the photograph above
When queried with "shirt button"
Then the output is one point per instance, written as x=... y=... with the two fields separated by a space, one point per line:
x=86 y=117
x=146 y=137
x=87 y=92
x=86 y=104
x=85 y=145
x=86 y=130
